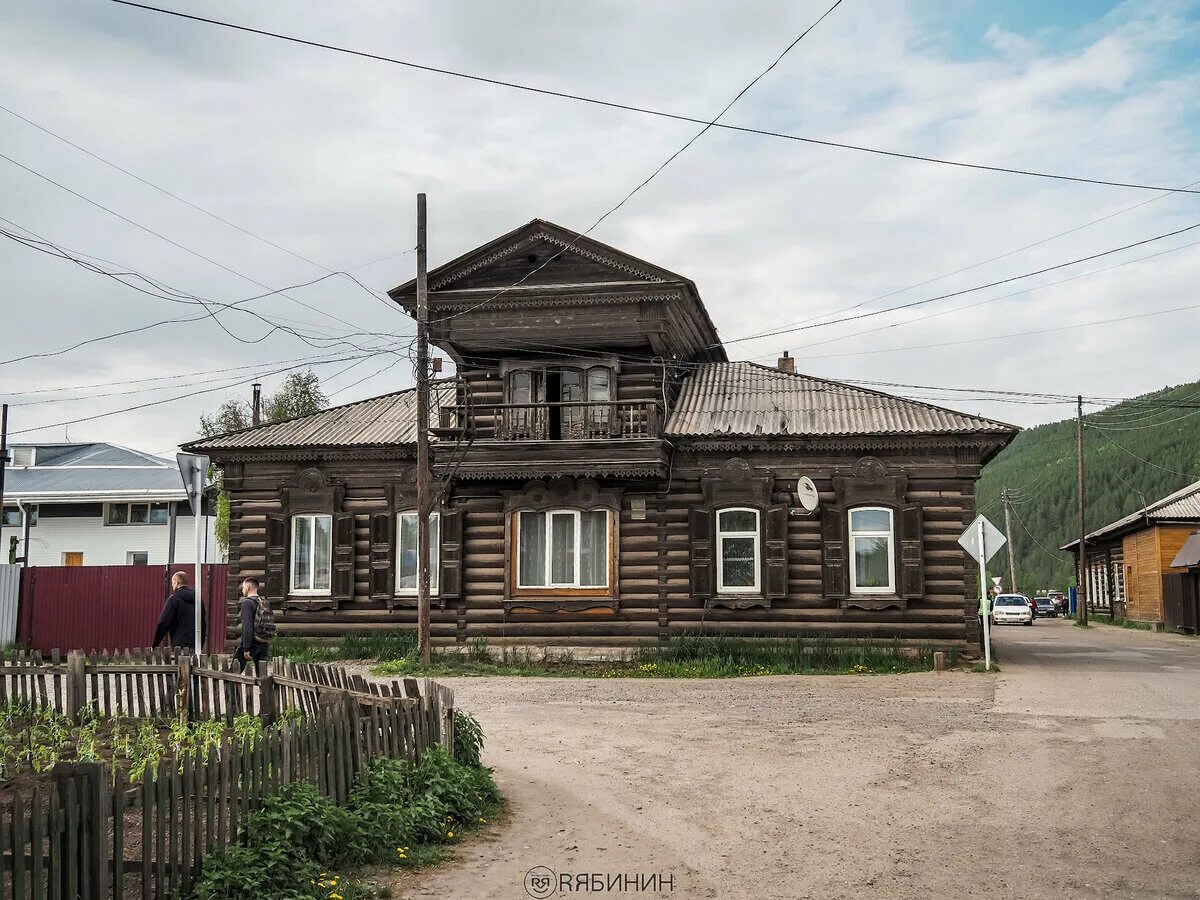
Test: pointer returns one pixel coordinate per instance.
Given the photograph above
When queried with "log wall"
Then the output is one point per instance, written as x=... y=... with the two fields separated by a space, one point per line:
x=653 y=555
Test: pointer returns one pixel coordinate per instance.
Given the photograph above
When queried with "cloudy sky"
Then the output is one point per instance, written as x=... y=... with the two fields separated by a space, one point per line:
x=322 y=154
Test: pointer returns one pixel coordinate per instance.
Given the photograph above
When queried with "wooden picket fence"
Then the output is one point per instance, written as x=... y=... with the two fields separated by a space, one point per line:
x=89 y=836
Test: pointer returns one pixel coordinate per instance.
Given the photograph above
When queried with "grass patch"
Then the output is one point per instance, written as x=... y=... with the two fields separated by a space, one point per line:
x=680 y=657
x=1079 y=624
x=1121 y=622
x=383 y=645
x=980 y=667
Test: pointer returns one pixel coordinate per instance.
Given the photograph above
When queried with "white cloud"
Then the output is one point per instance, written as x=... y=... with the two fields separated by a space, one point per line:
x=323 y=153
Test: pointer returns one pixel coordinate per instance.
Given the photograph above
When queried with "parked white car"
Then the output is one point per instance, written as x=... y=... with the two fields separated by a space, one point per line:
x=1012 y=609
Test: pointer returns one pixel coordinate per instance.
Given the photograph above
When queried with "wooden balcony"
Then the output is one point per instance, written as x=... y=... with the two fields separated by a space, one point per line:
x=608 y=420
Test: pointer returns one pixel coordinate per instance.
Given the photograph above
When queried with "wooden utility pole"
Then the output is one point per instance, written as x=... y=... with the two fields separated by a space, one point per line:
x=1081 y=610
x=1012 y=564
x=3 y=450
x=424 y=475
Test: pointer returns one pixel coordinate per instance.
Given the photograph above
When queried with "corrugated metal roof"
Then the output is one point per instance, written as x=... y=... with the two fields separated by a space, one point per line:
x=742 y=399
x=1183 y=504
x=387 y=420
x=94 y=470
x=1189 y=553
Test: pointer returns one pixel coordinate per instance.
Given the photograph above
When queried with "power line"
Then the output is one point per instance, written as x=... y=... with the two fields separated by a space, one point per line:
x=1020 y=293
x=1029 y=533
x=564 y=95
x=165 y=400
x=160 y=189
x=174 y=243
x=1038 y=243
x=970 y=290
x=650 y=177
x=178 y=297
x=1109 y=438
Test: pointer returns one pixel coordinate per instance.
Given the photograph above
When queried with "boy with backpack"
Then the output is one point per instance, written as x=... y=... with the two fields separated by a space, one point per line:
x=258 y=626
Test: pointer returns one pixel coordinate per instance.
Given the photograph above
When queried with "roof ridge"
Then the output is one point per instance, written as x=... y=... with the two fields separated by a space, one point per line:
x=867 y=391
x=327 y=409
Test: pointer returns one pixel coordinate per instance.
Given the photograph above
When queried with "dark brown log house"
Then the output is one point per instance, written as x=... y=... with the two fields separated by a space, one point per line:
x=609 y=477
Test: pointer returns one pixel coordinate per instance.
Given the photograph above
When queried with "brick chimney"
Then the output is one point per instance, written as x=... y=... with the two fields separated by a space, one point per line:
x=787 y=364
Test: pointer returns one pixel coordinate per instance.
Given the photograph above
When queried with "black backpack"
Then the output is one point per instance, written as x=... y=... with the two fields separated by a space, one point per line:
x=264 y=620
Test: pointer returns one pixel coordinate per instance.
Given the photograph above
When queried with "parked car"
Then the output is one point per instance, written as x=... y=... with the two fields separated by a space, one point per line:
x=1060 y=600
x=1044 y=606
x=1012 y=609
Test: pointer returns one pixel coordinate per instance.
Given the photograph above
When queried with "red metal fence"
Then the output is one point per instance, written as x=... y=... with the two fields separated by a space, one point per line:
x=106 y=607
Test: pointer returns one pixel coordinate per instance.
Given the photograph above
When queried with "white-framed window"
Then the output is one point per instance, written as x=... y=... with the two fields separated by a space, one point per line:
x=312 y=554
x=737 y=551
x=137 y=514
x=137 y=558
x=406 y=553
x=563 y=548
x=872 y=551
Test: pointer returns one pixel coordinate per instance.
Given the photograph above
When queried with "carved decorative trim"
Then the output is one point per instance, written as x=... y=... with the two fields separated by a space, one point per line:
x=737 y=483
x=312 y=455
x=564 y=604
x=872 y=603
x=868 y=481
x=533 y=237
x=562 y=492
x=730 y=601
x=866 y=442
x=556 y=300
x=465 y=474
x=312 y=490
x=401 y=491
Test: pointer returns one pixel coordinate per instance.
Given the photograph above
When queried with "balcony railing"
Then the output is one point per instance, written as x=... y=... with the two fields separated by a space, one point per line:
x=605 y=420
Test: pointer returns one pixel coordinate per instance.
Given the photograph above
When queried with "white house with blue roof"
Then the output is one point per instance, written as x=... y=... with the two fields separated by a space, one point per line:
x=97 y=504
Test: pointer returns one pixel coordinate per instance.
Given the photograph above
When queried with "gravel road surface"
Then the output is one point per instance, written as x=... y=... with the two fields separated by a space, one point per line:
x=1073 y=773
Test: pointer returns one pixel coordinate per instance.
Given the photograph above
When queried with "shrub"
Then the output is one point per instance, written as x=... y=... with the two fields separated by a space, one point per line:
x=468 y=739
x=299 y=817
x=237 y=872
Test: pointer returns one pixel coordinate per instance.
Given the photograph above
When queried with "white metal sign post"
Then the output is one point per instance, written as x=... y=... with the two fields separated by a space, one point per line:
x=194 y=469
x=982 y=540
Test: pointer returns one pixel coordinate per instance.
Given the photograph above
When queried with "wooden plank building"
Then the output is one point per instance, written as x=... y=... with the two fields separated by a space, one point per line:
x=1129 y=561
x=608 y=476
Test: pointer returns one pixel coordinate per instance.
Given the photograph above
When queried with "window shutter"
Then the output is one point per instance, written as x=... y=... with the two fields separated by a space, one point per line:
x=343 y=557
x=777 y=552
x=912 y=561
x=700 y=527
x=277 y=557
x=450 y=581
x=382 y=573
x=833 y=545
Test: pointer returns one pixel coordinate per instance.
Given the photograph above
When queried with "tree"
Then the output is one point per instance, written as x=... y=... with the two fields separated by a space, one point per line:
x=299 y=395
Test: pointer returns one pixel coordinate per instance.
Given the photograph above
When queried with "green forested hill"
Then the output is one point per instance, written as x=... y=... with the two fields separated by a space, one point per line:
x=1038 y=468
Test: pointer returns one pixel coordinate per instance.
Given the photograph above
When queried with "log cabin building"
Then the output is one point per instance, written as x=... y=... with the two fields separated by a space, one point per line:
x=606 y=476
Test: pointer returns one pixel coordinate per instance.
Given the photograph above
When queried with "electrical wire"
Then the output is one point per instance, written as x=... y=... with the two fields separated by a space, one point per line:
x=670 y=159
x=1192 y=475
x=959 y=293
x=648 y=111
x=178 y=245
x=1039 y=544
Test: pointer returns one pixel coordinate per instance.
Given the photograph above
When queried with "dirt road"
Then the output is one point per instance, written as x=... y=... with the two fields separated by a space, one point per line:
x=1071 y=774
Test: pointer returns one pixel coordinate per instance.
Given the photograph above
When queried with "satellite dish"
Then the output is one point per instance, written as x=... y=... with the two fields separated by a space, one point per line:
x=806 y=493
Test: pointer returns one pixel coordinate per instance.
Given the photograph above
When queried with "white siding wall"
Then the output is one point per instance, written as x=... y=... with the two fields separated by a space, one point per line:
x=108 y=545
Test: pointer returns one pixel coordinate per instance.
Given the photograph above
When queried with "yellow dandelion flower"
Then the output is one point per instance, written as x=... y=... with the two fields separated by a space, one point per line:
x=449 y=834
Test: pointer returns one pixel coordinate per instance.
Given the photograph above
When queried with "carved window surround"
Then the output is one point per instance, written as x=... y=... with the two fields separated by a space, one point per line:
x=560 y=493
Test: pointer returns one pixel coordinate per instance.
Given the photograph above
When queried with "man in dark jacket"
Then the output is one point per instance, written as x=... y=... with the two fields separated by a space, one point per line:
x=250 y=650
x=178 y=620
